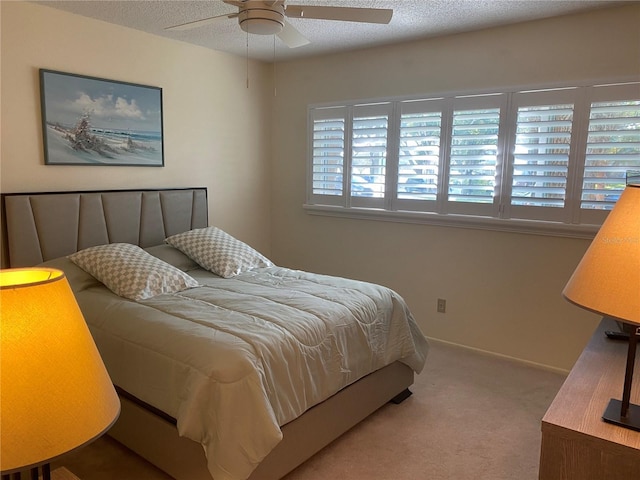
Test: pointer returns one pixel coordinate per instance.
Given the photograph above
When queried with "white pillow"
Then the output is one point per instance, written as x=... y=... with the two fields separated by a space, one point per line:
x=127 y=270
x=218 y=252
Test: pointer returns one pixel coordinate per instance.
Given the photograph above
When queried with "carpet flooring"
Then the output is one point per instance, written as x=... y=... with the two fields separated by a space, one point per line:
x=472 y=416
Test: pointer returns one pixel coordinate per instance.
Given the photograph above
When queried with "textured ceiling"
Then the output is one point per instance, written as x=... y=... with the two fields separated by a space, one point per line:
x=412 y=19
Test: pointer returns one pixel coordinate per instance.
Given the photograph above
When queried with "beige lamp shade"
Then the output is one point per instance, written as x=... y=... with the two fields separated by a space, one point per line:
x=55 y=393
x=607 y=280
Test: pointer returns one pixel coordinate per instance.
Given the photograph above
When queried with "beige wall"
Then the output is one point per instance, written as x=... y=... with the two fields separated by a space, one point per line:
x=248 y=148
x=502 y=289
x=216 y=130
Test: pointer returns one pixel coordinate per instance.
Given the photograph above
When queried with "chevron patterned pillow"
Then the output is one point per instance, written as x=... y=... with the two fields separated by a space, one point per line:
x=218 y=252
x=127 y=270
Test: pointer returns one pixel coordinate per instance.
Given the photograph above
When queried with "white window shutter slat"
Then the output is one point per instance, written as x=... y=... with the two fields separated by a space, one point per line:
x=541 y=155
x=613 y=149
x=473 y=155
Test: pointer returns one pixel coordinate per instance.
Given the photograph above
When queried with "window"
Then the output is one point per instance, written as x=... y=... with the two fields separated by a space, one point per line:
x=612 y=148
x=474 y=156
x=541 y=155
x=369 y=135
x=541 y=150
x=418 y=173
x=328 y=145
x=549 y=160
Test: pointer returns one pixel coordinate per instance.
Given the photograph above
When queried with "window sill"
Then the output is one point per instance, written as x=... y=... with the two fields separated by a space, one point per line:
x=531 y=227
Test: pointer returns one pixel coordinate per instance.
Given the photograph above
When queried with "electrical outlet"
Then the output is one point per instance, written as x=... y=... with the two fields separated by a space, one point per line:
x=442 y=305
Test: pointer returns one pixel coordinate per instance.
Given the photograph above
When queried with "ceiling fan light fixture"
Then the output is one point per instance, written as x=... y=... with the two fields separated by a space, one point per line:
x=262 y=21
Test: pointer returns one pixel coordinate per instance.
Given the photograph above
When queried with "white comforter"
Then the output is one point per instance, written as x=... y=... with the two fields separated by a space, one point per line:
x=237 y=358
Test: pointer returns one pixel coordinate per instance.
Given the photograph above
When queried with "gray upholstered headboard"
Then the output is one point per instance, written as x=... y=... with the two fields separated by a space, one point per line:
x=44 y=226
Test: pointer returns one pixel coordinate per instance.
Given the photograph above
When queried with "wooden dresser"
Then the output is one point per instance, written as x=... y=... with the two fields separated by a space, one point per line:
x=576 y=443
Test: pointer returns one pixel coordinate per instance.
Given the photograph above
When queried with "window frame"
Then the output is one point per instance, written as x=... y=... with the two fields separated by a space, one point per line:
x=543 y=97
x=360 y=111
x=499 y=214
x=436 y=104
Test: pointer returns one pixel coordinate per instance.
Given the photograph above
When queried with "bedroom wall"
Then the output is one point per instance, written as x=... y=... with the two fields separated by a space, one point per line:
x=207 y=113
x=503 y=290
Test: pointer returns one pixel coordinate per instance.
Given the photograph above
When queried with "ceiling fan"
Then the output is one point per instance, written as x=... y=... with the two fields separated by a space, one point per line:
x=264 y=17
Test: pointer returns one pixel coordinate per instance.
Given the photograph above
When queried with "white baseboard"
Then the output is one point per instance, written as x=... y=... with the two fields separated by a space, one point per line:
x=542 y=366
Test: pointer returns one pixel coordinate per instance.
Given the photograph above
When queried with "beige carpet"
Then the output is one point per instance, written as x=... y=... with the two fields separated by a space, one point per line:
x=471 y=417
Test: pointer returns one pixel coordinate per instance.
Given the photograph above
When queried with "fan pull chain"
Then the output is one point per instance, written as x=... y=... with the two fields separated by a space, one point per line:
x=247 y=56
x=275 y=90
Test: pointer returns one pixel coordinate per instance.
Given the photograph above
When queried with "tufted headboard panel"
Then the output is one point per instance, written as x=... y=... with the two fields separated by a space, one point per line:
x=44 y=226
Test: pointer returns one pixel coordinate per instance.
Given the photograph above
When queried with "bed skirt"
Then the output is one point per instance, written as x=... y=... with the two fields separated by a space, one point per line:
x=156 y=439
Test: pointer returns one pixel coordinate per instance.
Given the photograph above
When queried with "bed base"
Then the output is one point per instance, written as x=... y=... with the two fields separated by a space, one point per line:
x=156 y=439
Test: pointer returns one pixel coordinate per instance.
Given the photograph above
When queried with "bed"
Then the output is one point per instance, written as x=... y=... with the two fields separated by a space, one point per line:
x=242 y=373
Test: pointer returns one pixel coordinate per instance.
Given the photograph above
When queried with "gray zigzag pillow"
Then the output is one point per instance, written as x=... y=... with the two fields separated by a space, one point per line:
x=127 y=270
x=217 y=251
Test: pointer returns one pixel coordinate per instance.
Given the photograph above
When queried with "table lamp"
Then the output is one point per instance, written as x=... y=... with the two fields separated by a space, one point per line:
x=607 y=281
x=55 y=393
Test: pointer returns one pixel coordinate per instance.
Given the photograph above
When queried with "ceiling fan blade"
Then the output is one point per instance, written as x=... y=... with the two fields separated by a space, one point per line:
x=346 y=14
x=292 y=37
x=201 y=23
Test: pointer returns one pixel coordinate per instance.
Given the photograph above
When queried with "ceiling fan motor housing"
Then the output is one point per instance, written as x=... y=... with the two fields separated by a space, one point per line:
x=261 y=18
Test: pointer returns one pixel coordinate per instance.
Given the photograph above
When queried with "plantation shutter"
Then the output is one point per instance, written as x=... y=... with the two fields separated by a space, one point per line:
x=554 y=159
x=613 y=149
x=541 y=157
x=474 y=161
x=328 y=154
x=419 y=154
x=370 y=130
x=542 y=151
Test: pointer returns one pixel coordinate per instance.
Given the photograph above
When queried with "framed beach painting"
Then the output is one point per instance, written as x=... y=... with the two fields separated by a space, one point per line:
x=93 y=121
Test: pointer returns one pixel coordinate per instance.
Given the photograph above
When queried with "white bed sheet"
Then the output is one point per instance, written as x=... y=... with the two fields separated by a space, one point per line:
x=237 y=358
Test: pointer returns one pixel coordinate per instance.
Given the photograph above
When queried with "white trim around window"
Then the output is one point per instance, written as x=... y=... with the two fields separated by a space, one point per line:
x=548 y=160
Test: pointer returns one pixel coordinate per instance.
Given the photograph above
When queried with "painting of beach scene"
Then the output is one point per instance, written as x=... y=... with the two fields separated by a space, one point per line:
x=93 y=121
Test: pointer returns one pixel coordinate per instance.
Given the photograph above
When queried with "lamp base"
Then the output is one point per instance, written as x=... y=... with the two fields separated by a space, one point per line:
x=612 y=415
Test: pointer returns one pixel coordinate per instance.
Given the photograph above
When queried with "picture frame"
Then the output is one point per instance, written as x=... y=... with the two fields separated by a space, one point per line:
x=94 y=121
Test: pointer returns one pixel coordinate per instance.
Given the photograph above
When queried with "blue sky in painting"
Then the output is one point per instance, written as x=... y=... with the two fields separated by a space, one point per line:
x=112 y=105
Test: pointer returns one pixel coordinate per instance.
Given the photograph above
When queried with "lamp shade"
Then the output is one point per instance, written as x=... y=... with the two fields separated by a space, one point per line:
x=55 y=393
x=607 y=279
